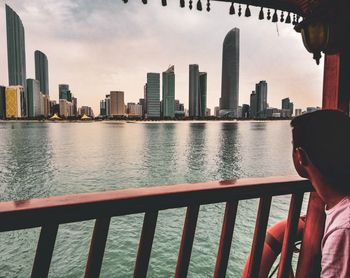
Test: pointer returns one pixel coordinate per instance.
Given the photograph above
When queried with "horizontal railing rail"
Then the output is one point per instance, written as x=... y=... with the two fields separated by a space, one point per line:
x=49 y=213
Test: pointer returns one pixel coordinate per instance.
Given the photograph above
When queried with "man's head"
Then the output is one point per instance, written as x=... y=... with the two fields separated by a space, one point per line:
x=322 y=139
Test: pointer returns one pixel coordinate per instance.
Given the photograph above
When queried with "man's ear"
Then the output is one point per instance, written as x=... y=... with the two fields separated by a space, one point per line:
x=302 y=156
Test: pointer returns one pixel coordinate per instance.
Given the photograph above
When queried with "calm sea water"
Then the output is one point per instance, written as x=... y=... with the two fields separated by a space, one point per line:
x=40 y=160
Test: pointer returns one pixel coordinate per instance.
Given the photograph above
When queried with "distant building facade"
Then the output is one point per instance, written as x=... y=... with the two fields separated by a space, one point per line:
x=153 y=95
x=117 y=103
x=15 y=102
x=42 y=71
x=230 y=74
x=34 y=98
x=261 y=94
x=298 y=112
x=253 y=109
x=168 y=93
x=197 y=92
x=287 y=108
x=2 y=103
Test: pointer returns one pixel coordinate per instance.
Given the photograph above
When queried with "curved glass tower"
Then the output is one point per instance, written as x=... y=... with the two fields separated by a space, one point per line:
x=42 y=71
x=16 y=54
x=230 y=74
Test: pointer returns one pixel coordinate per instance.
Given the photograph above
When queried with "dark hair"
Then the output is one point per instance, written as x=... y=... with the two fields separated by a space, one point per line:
x=325 y=136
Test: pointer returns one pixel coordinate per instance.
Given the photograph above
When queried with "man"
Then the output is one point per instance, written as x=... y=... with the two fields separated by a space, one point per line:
x=321 y=153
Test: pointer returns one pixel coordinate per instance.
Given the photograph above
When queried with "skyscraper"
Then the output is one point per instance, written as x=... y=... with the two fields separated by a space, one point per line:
x=230 y=74
x=194 y=91
x=117 y=103
x=42 y=71
x=203 y=93
x=153 y=95
x=16 y=53
x=261 y=93
x=168 y=91
x=197 y=92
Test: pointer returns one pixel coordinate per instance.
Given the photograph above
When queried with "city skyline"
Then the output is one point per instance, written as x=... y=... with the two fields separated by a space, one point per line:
x=78 y=54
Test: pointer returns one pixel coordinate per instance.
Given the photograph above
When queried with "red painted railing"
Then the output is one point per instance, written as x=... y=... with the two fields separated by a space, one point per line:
x=49 y=213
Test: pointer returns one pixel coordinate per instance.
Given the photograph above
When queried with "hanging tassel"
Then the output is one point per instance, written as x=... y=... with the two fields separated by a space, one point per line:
x=288 y=20
x=247 y=12
x=261 y=14
x=125 y=1
x=232 y=9
x=268 y=14
x=239 y=10
x=144 y=2
x=282 y=17
x=199 y=5
x=182 y=3
x=294 y=20
x=208 y=6
x=164 y=3
x=190 y=4
x=297 y=21
x=275 y=17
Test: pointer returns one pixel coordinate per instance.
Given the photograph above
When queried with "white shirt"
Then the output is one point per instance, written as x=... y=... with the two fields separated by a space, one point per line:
x=336 y=241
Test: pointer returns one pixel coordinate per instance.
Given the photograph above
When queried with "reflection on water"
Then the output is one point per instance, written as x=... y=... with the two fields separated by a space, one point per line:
x=39 y=160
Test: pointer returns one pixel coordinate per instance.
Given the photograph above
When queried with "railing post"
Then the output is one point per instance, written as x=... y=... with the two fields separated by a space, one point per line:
x=97 y=247
x=44 y=251
x=226 y=239
x=188 y=232
x=145 y=245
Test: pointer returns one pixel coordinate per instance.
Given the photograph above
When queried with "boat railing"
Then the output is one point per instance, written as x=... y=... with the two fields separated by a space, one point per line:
x=49 y=213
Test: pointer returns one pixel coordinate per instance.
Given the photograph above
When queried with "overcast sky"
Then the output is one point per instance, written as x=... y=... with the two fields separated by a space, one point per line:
x=97 y=46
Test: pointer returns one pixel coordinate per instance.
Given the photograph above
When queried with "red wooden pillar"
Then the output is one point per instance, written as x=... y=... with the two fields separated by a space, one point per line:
x=336 y=95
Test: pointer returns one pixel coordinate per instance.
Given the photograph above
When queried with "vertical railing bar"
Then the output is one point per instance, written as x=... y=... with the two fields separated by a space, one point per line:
x=290 y=235
x=145 y=245
x=97 y=247
x=188 y=232
x=226 y=239
x=44 y=251
x=259 y=236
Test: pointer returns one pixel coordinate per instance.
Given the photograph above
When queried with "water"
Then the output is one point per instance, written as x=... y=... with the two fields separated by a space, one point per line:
x=40 y=160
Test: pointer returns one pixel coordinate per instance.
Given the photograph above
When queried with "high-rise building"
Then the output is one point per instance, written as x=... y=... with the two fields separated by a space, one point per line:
x=230 y=74
x=288 y=107
x=42 y=71
x=197 y=92
x=117 y=103
x=63 y=90
x=75 y=106
x=168 y=100
x=153 y=95
x=15 y=102
x=203 y=94
x=261 y=94
x=108 y=105
x=194 y=108
x=253 y=105
x=34 y=98
x=16 y=54
x=103 y=108
x=2 y=103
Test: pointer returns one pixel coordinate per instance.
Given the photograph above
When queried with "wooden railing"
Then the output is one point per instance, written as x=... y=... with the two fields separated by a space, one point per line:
x=49 y=213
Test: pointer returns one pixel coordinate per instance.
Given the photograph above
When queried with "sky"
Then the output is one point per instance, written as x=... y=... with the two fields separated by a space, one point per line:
x=97 y=46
